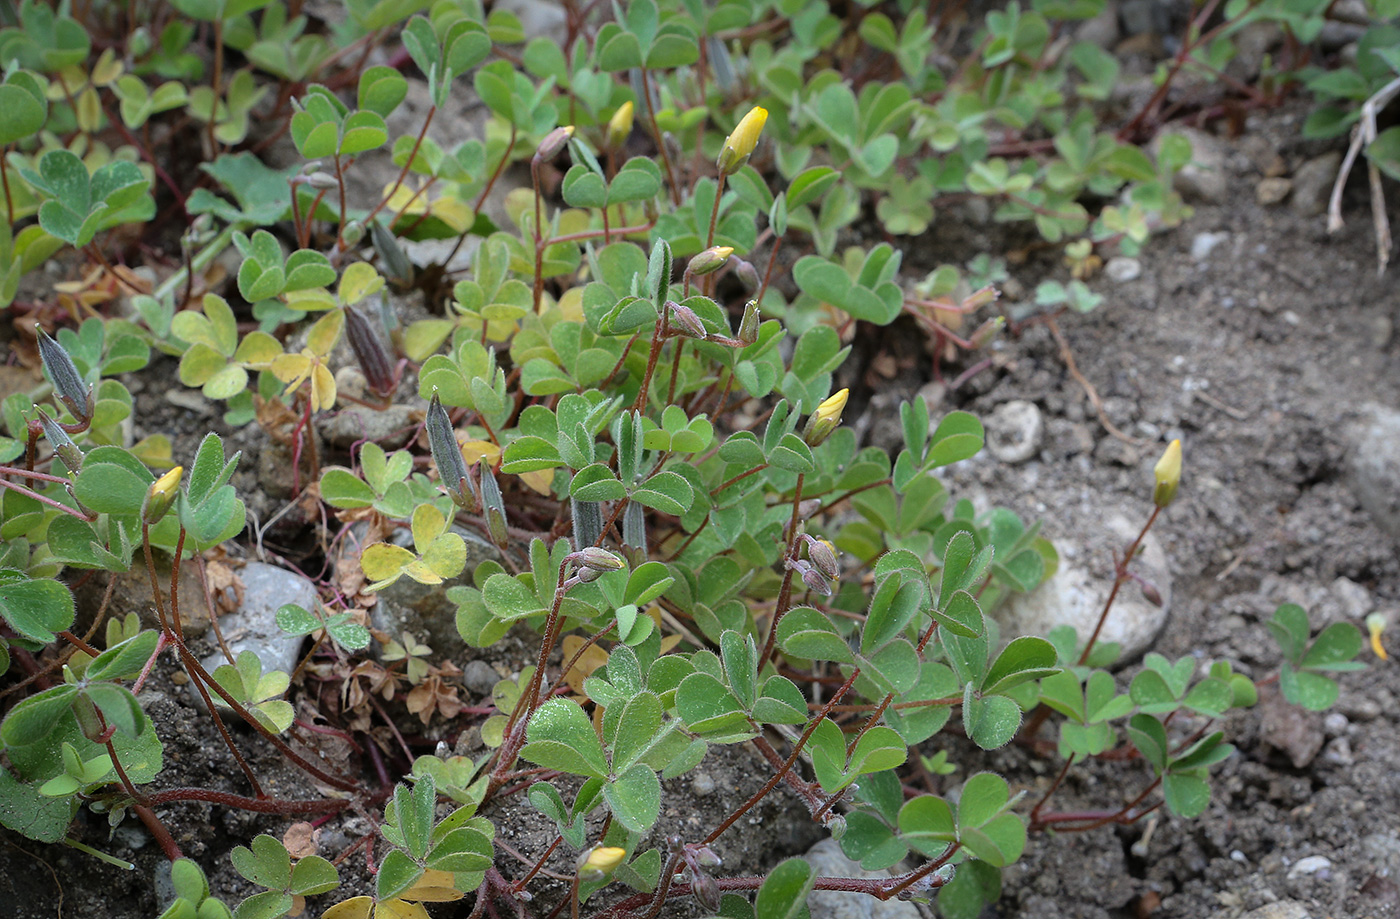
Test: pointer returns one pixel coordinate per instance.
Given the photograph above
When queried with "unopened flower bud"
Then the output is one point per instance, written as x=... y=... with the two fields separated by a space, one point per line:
x=89 y=721
x=823 y=555
x=391 y=254
x=709 y=261
x=320 y=179
x=620 y=125
x=554 y=142
x=673 y=146
x=352 y=234
x=63 y=446
x=706 y=891
x=1151 y=594
x=452 y=468
x=370 y=350
x=685 y=317
x=1168 y=475
x=740 y=144
x=596 y=558
x=160 y=495
x=986 y=332
x=825 y=419
x=816 y=581
x=836 y=823
x=588 y=575
x=808 y=507
x=1375 y=625
x=63 y=373
x=746 y=273
x=600 y=862
x=980 y=297
x=492 y=503
x=748 y=326
x=705 y=857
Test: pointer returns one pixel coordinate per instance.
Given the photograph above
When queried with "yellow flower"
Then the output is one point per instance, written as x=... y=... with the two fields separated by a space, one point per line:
x=1375 y=624
x=601 y=862
x=1168 y=475
x=739 y=145
x=620 y=125
x=161 y=495
x=825 y=419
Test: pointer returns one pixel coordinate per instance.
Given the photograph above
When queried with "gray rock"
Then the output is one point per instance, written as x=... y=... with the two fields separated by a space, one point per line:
x=1123 y=269
x=1203 y=244
x=424 y=610
x=1351 y=600
x=1312 y=184
x=1296 y=734
x=1310 y=865
x=1272 y=190
x=827 y=860
x=253 y=627
x=703 y=784
x=539 y=18
x=1204 y=177
x=480 y=677
x=1373 y=465
x=357 y=423
x=1075 y=597
x=1015 y=430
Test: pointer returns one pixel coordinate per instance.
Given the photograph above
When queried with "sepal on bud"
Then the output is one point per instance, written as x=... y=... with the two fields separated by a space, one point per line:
x=63 y=446
x=554 y=142
x=67 y=382
x=709 y=261
x=452 y=468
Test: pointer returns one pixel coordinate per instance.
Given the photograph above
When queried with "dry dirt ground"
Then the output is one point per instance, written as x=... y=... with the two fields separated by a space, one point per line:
x=1257 y=356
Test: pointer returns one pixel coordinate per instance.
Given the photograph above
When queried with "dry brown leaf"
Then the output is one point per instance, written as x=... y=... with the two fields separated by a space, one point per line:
x=301 y=839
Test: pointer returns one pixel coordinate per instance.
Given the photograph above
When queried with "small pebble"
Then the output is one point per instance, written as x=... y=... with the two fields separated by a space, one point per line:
x=1272 y=191
x=703 y=784
x=1204 y=243
x=1310 y=865
x=1123 y=269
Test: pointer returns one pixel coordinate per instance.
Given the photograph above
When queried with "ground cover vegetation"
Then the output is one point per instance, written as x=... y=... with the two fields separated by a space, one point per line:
x=627 y=396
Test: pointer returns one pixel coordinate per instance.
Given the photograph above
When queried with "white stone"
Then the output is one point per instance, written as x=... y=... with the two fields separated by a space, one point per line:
x=827 y=860
x=253 y=627
x=1122 y=269
x=1015 y=430
x=1310 y=865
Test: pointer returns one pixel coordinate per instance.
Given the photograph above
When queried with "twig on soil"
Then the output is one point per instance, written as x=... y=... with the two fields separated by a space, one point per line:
x=1208 y=399
x=1067 y=356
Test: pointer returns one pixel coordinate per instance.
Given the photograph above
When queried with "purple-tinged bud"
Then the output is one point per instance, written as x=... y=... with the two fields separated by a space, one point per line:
x=808 y=507
x=685 y=317
x=1150 y=593
x=748 y=325
x=452 y=468
x=746 y=273
x=391 y=255
x=554 y=142
x=63 y=373
x=823 y=555
x=492 y=503
x=588 y=575
x=705 y=857
x=320 y=179
x=370 y=350
x=706 y=891
x=63 y=446
x=811 y=577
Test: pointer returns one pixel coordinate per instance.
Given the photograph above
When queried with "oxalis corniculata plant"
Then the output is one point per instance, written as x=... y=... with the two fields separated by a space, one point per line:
x=654 y=451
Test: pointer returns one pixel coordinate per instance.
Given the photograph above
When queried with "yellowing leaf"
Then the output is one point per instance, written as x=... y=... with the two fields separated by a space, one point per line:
x=589 y=661
x=257 y=350
x=312 y=299
x=383 y=560
x=326 y=332
x=400 y=909
x=541 y=480
x=353 y=908
x=428 y=524
x=434 y=886
x=359 y=281
x=292 y=369
x=322 y=388
x=474 y=450
x=107 y=68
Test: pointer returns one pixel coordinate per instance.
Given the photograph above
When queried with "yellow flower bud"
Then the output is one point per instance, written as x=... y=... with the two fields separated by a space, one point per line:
x=825 y=419
x=553 y=143
x=620 y=125
x=601 y=862
x=1168 y=475
x=1375 y=625
x=739 y=145
x=710 y=260
x=161 y=495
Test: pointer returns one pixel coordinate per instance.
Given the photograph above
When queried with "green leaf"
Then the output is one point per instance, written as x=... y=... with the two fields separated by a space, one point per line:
x=991 y=721
x=1026 y=658
x=1334 y=648
x=635 y=798
x=560 y=736
x=35 y=608
x=667 y=492
x=397 y=873
x=784 y=892
x=1187 y=795
x=806 y=633
x=266 y=864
